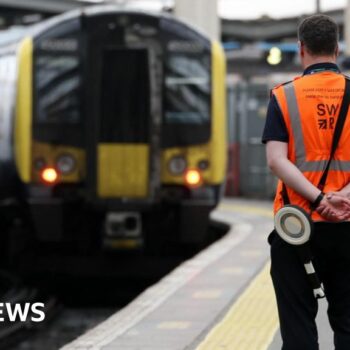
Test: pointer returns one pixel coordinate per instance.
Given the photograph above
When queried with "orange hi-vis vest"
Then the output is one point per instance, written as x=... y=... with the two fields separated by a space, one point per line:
x=310 y=107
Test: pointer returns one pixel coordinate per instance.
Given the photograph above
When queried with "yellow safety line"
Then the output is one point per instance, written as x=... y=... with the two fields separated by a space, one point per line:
x=251 y=322
x=247 y=209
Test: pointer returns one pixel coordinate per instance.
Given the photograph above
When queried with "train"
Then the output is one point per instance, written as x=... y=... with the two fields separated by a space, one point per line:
x=112 y=132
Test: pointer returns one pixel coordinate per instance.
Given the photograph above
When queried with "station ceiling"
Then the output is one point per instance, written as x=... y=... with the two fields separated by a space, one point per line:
x=14 y=12
x=50 y=6
x=18 y=12
x=267 y=28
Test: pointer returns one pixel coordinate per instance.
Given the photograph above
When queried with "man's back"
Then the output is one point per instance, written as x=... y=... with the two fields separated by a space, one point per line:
x=310 y=107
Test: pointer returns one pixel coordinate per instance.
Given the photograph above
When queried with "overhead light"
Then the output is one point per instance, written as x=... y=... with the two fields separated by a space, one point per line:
x=275 y=56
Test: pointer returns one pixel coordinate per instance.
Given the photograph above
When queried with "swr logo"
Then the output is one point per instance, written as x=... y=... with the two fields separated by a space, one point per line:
x=324 y=110
x=21 y=312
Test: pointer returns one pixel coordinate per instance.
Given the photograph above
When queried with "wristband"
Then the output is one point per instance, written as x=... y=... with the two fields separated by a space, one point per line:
x=317 y=201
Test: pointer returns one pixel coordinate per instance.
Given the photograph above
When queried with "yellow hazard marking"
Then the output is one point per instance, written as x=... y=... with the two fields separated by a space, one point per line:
x=174 y=325
x=246 y=209
x=207 y=294
x=231 y=271
x=251 y=322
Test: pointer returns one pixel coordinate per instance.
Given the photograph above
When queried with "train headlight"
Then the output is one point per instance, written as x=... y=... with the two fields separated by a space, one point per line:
x=177 y=165
x=65 y=163
x=49 y=175
x=193 y=178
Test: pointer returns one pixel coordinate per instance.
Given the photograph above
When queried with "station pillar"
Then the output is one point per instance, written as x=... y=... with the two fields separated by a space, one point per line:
x=347 y=29
x=203 y=14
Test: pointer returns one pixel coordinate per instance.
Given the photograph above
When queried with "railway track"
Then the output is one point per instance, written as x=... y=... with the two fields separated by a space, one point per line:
x=13 y=292
x=81 y=303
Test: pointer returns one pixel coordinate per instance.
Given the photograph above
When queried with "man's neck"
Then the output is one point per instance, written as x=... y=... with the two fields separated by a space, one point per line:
x=319 y=59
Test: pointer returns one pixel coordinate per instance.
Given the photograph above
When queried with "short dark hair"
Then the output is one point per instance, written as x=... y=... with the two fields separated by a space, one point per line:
x=320 y=34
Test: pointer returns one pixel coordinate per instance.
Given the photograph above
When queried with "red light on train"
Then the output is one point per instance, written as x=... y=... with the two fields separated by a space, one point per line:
x=49 y=175
x=193 y=178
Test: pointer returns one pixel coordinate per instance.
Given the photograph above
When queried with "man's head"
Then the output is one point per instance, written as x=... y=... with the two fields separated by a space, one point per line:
x=318 y=39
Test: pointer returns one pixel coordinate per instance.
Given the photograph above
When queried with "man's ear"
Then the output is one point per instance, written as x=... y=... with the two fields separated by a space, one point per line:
x=336 y=51
x=301 y=47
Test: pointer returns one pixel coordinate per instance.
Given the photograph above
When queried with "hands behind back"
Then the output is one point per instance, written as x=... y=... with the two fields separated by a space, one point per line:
x=334 y=207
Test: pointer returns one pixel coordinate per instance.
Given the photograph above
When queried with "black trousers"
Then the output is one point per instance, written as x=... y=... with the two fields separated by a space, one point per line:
x=297 y=306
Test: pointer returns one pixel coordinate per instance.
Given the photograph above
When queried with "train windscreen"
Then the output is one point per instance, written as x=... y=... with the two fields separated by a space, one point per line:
x=58 y=85
x=187 y=90
x=187 y=95
x=57 y=75
x=58 y=82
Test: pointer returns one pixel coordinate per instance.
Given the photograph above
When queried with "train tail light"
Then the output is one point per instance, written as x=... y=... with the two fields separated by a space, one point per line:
x=49 y=175
x=193 y=178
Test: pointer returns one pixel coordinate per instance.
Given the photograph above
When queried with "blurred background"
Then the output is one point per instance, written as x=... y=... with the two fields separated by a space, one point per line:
x=89 y=201
x=260 y=42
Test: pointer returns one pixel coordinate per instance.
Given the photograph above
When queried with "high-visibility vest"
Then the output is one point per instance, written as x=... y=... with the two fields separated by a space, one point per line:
x=310 y=107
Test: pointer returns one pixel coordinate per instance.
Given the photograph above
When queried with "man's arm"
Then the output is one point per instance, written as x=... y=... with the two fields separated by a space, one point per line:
x=284 y=169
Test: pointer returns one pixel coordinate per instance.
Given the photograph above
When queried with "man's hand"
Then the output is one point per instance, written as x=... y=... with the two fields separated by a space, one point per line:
x=334 y=207
x=339 y=200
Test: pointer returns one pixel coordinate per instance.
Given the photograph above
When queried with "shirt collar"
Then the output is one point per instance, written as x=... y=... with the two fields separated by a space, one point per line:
x=320 y=67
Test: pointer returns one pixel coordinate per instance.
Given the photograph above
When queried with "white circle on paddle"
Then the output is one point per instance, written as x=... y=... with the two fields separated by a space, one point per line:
x=293 y=225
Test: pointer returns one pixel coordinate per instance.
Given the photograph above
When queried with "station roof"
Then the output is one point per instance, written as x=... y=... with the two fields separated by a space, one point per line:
x=19 y=12
x=267 y=28
x=50 y=6
x=13 y=11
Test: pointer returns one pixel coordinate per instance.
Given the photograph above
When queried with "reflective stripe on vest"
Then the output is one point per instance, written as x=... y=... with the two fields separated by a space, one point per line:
x=301 y=162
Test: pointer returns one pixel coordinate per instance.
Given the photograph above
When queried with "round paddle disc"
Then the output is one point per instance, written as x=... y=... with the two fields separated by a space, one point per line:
x=293 y=224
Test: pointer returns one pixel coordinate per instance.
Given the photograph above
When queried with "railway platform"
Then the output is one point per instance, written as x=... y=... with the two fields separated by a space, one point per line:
x=220 y=299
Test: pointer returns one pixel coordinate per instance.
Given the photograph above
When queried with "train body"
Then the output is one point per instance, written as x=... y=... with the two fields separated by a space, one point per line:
x=112 y=128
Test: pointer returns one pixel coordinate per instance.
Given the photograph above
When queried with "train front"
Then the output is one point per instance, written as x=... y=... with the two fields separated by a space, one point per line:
x=127 y=129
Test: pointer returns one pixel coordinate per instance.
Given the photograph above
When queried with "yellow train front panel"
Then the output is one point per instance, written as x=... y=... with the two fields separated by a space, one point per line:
x=122 y=170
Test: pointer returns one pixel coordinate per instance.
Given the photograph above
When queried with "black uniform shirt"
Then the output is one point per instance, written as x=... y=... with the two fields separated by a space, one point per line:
x=275 y=127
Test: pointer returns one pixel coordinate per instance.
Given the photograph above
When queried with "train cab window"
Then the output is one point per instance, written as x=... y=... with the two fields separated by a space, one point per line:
x=187 y=82
x=57 y=79
x=57 y=88
x=187 y=99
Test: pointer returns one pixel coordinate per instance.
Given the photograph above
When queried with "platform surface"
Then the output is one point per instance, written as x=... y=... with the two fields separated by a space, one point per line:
x=221 y=299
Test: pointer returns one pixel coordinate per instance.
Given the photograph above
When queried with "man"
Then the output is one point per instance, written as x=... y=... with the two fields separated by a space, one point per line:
x=298 y=134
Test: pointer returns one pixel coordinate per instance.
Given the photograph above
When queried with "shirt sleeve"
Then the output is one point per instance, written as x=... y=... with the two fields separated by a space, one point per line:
x=275 y=128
